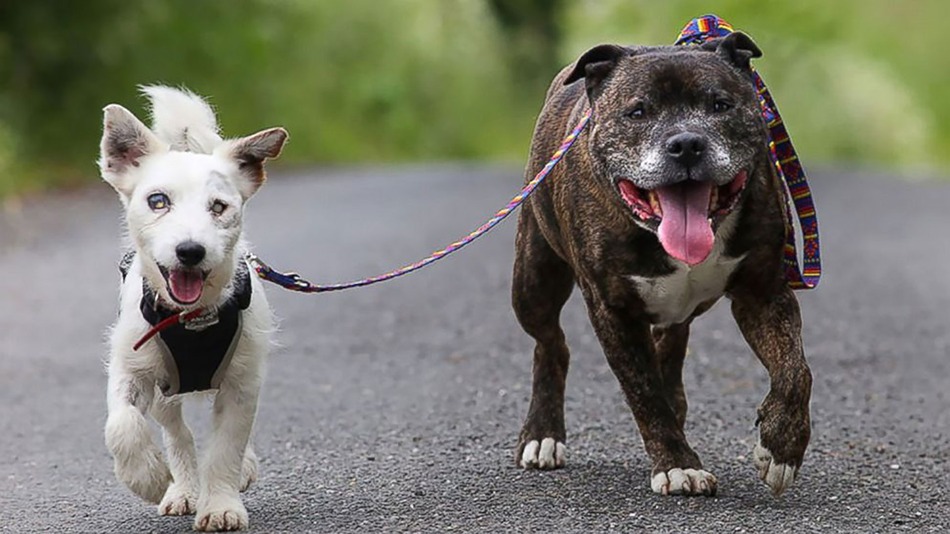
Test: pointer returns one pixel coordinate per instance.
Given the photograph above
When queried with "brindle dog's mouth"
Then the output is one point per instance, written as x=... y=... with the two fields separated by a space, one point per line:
x=185 y=284
x=685 y=212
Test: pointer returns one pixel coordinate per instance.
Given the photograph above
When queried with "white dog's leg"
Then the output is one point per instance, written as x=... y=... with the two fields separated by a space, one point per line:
x=138 y=461
x=219 y=503
x=182 y=494
x=248 y=468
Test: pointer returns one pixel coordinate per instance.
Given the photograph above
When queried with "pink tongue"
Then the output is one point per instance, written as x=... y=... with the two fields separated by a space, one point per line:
x=185 y=285
x=685 y=231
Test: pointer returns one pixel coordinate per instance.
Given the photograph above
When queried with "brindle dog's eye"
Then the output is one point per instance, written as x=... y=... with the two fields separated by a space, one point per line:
x=218 y=207
x=158 y=201
x=639 y=111
x=721 y=105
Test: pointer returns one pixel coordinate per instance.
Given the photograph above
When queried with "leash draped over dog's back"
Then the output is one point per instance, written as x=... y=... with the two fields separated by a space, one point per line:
x=785 y=160
x=781 y=153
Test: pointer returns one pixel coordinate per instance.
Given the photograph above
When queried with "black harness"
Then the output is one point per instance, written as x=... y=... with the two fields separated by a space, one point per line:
x=196 y=353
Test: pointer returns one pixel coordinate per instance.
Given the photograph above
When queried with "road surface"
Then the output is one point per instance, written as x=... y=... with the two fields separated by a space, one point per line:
x=395 y=408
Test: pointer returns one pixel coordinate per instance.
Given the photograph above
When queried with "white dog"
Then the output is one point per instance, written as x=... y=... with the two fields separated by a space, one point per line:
x=184 y=189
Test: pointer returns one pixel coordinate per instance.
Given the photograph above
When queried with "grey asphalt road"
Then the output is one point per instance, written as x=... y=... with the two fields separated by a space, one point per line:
x=395 y=408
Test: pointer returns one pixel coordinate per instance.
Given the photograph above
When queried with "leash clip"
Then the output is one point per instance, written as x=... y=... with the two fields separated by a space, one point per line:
x=288 y=280
x=256 y=263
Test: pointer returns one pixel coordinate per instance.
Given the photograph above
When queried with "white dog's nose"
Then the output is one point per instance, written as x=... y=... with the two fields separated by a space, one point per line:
x=190 y=253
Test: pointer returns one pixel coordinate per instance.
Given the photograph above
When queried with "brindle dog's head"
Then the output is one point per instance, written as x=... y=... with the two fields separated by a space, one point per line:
x=676 y=134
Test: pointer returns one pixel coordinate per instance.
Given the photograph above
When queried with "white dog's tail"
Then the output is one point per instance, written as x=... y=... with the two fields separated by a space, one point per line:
x=182 y=119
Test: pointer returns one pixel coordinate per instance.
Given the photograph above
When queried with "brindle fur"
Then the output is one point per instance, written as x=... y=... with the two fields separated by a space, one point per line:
x=576 y=229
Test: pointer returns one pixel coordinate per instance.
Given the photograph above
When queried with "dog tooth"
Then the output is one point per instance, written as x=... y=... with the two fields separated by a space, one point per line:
x=655 y=203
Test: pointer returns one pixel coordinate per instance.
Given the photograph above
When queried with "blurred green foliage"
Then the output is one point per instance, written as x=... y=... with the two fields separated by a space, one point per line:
x=380 y=81
x=856 y=80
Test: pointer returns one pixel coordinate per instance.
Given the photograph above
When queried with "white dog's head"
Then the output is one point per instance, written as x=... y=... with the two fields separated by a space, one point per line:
x=184 y=189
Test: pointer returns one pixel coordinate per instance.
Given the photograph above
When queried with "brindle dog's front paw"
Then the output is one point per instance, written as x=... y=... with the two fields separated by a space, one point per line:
x=778 y=476
x=678 y=481
x=784 y=432
x=546 y=453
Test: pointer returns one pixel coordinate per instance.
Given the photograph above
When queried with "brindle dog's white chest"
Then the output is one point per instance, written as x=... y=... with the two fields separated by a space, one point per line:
x=673 y=298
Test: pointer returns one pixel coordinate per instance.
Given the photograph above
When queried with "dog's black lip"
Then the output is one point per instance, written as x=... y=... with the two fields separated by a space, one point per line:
x=165 y=272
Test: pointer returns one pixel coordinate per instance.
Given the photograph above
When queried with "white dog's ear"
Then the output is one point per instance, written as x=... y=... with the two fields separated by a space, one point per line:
x=250 y=153
x=125 y=141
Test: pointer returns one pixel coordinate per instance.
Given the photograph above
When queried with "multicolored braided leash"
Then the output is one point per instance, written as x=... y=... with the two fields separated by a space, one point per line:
x=781 y=152
x=294 y=282
x=786 y=162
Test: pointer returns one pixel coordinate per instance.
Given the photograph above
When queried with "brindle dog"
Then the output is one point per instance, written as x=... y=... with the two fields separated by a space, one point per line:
x=666 y=203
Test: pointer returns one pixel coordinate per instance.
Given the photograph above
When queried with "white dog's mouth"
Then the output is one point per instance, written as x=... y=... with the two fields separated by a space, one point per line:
x=185 y=284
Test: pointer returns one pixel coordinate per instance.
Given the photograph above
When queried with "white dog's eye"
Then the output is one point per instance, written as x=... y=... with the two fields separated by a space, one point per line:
x=218 y=207
x=158 y=201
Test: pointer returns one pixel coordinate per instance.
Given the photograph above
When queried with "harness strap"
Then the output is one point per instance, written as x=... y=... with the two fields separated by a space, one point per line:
x=165 y=324
x=785 y=159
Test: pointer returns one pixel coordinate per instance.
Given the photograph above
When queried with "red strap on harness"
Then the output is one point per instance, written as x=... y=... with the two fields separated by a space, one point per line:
x=165 y=324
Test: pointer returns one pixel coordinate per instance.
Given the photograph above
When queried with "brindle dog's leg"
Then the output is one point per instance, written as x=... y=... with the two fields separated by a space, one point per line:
x=671 y=342
x=629 y=346
x=541 y=285
x=772 y=326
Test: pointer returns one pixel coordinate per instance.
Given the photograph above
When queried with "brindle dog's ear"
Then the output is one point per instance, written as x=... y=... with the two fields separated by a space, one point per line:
x=736 y=49
x=595 y=64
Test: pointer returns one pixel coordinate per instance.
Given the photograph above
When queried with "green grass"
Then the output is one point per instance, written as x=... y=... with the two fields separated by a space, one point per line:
x=369 y=81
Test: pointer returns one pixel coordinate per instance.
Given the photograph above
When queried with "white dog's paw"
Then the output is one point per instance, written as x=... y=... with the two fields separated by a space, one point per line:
x=146 y=475
x=778 y=476
x=678 y=481
x=248 y=470
x=137 y=462
x=548 y=454
x=179 y=500
x=221 y=514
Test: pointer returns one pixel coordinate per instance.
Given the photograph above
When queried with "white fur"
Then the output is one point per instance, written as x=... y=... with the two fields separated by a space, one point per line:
x=548 y=454
x=652 y=161
x=678 y=481
x=779 y=477
x=186 y=159
x=720 y=156
x=183 y=119
x=674 y=298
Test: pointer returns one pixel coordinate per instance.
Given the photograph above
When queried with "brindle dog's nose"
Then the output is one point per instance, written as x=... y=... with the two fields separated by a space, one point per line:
x=686 y=148
x=190 y=253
